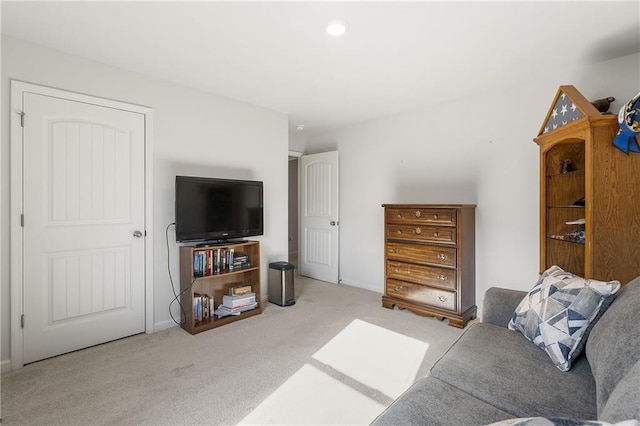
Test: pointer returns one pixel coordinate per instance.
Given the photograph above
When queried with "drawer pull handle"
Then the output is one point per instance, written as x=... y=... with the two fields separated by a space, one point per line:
x=395 y=250
x=396 y=269
x=399 y=214
x=396 y=288
x=418 y=213
x=442 y=278
x=417 y=231
x=436 y=234
x=435 y=217
x=442 y=299
x=442 y=256
x=399 y=231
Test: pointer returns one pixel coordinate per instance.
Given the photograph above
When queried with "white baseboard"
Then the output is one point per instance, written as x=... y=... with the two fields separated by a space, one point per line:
x=364 y=286
x=163 y=325
x=5 y=366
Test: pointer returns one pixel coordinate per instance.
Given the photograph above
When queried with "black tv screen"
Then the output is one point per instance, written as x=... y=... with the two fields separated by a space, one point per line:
x=214 y=210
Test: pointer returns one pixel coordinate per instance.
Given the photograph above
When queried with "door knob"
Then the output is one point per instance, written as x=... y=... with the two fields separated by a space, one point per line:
x=333 y=223
x=137 y=234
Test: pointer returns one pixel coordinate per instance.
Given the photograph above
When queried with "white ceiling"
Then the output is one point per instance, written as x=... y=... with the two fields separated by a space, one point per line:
x=395 y=56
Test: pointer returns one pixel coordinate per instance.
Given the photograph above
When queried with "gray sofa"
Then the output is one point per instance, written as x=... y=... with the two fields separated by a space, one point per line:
x=492 y=373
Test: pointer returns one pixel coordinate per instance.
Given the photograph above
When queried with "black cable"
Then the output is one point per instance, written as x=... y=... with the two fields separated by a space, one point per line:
x=175 y=296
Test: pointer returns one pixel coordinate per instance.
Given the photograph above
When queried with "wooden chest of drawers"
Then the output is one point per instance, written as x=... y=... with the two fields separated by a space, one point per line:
x=430 y=260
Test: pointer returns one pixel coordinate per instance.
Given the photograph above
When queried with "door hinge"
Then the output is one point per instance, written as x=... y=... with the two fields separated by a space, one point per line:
x=21 y=118
x=22 y=220
x=22 y=321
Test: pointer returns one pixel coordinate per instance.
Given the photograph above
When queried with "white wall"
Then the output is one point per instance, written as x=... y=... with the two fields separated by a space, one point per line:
x=474 y=150
x=194 y=134
x=297 y=139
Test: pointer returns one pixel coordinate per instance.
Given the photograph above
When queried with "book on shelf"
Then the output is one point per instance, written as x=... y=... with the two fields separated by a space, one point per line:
x=203 y=307
x=196 y=265
x=197 y=307
x=239 y=290
x=240 y=260
x=231 y=301
x=212 y=261
x=223 y=311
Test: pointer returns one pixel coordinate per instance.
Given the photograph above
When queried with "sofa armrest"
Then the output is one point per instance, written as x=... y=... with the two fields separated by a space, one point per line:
x=499 y=305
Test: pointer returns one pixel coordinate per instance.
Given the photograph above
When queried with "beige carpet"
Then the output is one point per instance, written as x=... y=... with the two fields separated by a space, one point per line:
x=335 y=357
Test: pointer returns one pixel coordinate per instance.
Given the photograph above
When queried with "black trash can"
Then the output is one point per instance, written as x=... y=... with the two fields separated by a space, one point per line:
x=281 y=291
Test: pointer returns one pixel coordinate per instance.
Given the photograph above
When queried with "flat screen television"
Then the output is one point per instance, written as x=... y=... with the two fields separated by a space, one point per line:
x=210 y=210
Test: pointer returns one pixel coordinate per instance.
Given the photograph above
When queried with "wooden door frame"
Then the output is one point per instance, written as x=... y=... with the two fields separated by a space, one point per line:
x=296 y=155
x=18 y=88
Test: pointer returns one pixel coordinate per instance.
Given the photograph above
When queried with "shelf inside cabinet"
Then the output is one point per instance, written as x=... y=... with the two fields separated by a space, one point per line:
x=210 y=323
x=556 y=226
x=228 y=272
x=567 y=175
x=564 y=189
x=574 y=152
x=551 y=237
x=568 y=255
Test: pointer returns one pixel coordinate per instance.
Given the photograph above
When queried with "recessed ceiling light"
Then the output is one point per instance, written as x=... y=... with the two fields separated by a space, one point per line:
x=336 y=28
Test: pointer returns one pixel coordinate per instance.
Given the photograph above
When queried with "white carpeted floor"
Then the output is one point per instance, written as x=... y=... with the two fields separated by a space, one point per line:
x=335 y=357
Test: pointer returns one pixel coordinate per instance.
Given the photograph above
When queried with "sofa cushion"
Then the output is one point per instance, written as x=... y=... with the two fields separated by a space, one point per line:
x=558 y=312
x=614 y=343
x=504 y=369
x=541 y=421
x=624 y=401
x=499 y=304
x=432 y=402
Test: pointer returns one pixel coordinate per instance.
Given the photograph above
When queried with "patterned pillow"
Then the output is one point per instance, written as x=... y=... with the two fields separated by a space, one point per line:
x=558 y=312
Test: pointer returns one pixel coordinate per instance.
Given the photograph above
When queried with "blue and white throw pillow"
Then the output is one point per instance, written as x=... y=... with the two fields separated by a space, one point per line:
x=557 y=314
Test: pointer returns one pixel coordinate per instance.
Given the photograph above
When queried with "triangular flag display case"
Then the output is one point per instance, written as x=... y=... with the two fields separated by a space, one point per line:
x=589 y=193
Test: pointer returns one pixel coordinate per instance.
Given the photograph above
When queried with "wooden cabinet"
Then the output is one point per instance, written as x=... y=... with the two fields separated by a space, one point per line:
x=599 y=186
x=430 y=260
x=215 y=280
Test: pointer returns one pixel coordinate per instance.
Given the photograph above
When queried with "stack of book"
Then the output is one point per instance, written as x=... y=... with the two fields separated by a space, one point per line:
x=239 y=261
x=237 y=304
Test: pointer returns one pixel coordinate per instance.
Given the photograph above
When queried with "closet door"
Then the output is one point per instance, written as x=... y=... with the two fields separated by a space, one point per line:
x=83 y=234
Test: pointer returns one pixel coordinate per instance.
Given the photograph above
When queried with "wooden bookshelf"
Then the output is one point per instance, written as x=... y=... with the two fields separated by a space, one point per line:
x=215 y=282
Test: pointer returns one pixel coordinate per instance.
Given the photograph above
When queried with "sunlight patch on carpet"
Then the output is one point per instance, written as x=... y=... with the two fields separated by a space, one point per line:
x=374 y=356
x=311 y=397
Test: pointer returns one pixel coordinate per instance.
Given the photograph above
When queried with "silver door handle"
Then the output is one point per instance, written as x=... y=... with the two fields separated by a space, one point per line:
x=137 y=234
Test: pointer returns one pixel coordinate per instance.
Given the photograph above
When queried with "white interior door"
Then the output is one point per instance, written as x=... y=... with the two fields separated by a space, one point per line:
x=319 y=218
x=84 y=225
